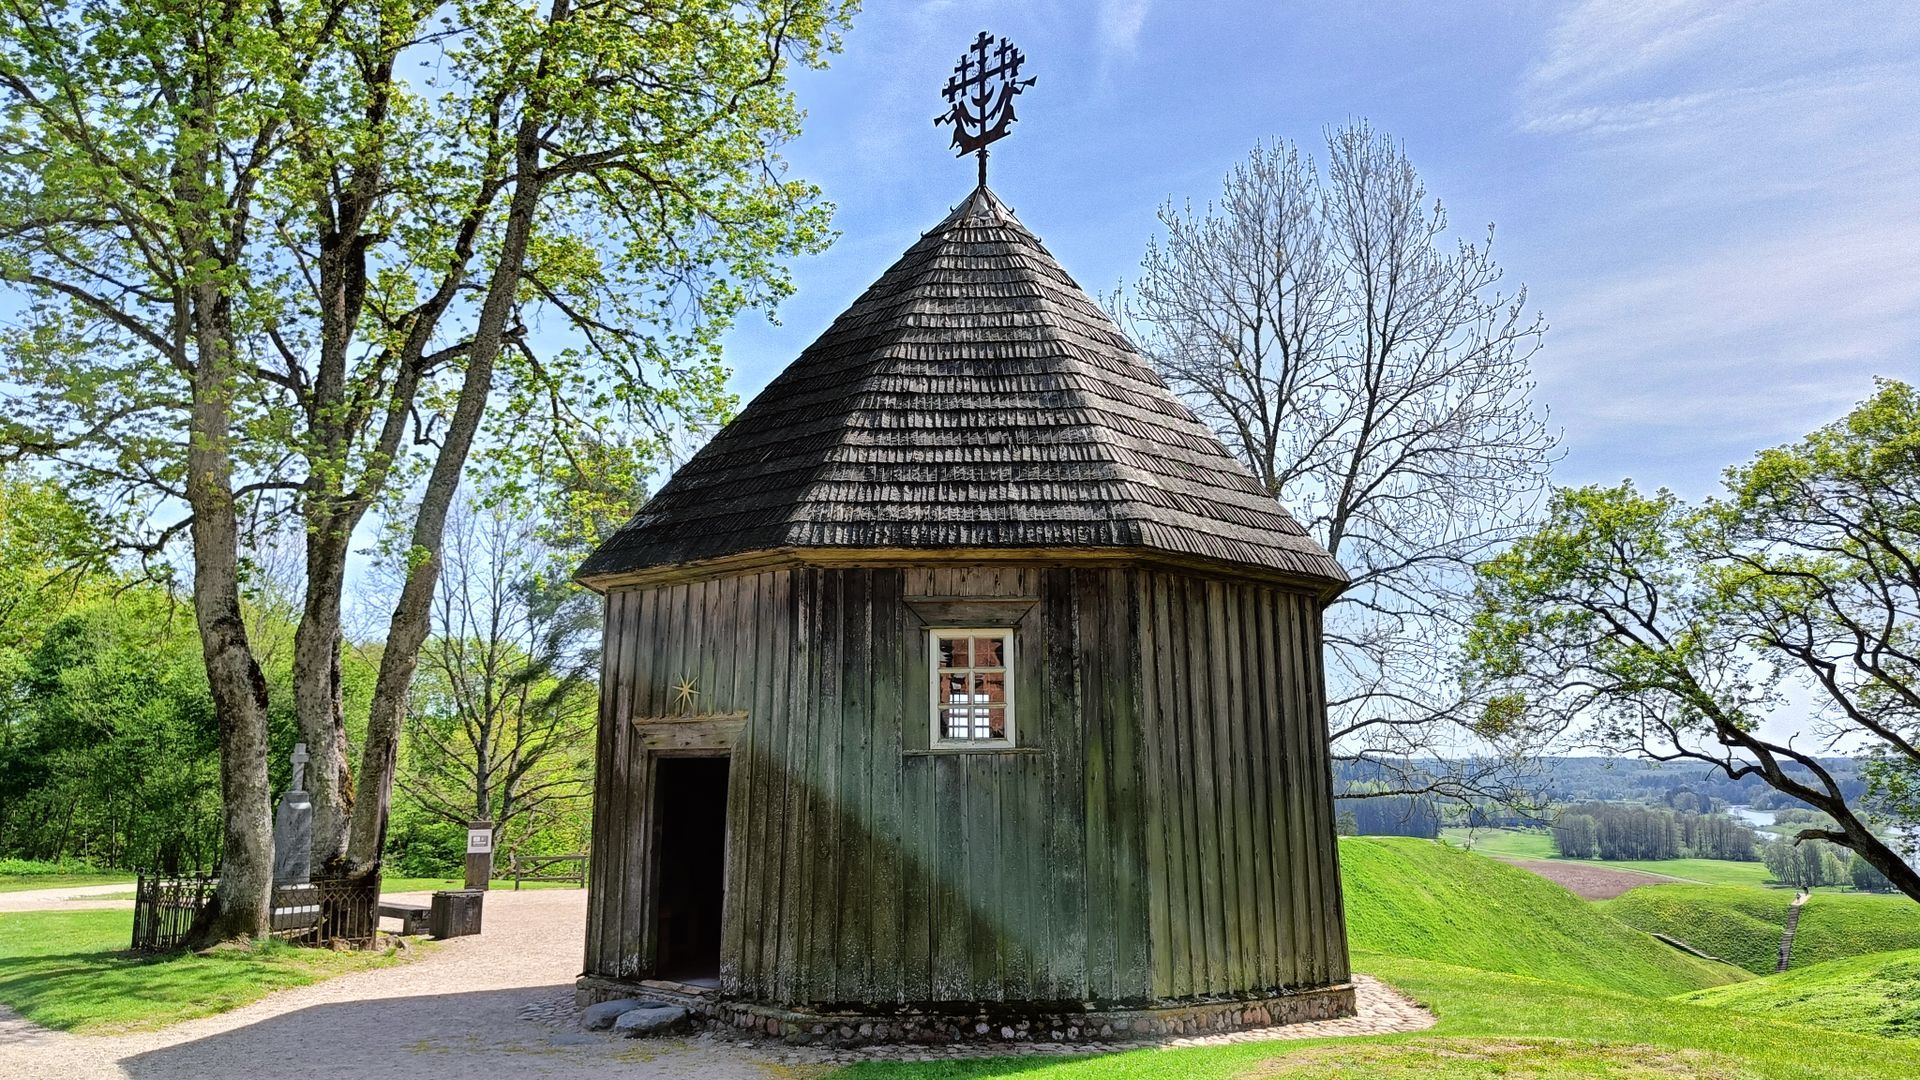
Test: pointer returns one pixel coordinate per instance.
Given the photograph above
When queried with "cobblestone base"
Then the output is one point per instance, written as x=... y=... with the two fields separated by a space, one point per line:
x=1380 y=1010
x=993 y=1023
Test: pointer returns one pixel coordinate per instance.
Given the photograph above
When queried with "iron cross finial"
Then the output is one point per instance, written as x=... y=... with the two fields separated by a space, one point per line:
x=980 y=95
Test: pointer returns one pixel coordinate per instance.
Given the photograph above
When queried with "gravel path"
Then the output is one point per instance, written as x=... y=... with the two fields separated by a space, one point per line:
x=70 y=898
x=498 y=1004
x=453 y=1014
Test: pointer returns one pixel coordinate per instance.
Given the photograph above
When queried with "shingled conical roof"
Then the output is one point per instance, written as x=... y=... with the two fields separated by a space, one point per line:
x=974 y=397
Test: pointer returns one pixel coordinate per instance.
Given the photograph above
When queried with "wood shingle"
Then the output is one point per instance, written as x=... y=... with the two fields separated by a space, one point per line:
x=973 y=397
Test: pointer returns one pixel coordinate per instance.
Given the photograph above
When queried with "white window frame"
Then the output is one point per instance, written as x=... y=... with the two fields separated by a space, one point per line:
x=936 y=730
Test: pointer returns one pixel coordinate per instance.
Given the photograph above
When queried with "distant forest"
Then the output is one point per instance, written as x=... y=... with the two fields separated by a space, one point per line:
x=1689 y=797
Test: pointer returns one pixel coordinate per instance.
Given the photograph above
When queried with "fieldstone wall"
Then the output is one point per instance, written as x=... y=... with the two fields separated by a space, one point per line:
x=986 y=1023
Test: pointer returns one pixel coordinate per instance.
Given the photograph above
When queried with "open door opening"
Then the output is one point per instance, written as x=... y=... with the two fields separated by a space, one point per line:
x=690 y=812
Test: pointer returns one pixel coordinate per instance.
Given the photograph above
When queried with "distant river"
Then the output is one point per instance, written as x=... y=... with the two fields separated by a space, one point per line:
x=1751 y=816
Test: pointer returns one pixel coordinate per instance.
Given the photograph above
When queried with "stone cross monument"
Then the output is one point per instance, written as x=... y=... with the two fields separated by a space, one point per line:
x=293 y=827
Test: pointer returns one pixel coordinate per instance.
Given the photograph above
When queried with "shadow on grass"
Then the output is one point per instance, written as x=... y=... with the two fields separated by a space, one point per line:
x=70 y=971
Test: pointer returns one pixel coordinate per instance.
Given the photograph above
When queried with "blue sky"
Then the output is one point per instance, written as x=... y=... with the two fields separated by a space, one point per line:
x=1716 y=205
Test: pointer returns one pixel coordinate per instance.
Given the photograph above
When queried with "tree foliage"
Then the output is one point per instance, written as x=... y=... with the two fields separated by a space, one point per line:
x=306 y=258
x=1371 y=373
x=1675 y=632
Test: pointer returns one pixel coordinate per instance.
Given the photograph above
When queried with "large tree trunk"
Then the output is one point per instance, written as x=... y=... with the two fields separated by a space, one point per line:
x=240 y=904
x=412 y=613
x=316 y=691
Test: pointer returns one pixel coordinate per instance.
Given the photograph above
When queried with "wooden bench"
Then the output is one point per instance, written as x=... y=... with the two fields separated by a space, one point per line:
x=413 y=917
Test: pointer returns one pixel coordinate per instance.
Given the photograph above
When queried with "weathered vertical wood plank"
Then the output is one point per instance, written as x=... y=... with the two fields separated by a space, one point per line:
x=884 y=780
x=1095 y=699
x=606 y=838
x=1220 y=696
x=1251 y=911
x=1068 y=807
x=1212 y=914
x=1334 y=932
x=741 y=644
x=1270 y=790
x=858 y=854
x=952 y=957
x=799 y=794
x=1153 y=737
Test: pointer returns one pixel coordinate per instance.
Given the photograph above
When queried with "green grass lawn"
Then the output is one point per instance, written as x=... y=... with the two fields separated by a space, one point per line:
x=1743 y=925
x=1835 y=926
x=1875 y=994
x=1557 y=987
x=1490 y=1024
x=1739 y=924
x=26 y=882
x=1423 y=900
x=69 y=970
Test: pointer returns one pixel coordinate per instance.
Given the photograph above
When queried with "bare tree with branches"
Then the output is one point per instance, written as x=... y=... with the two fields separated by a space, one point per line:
x=1376 y=379
x=501 y=721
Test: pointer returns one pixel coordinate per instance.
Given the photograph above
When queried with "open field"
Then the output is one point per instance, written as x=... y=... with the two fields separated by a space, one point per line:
x=1536 y=844
x=69 y=970
x=1588 y=880
x=1875 y=994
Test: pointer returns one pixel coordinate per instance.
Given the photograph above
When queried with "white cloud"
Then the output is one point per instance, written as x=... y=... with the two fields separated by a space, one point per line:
x=1120 y=24
x=1750 y=172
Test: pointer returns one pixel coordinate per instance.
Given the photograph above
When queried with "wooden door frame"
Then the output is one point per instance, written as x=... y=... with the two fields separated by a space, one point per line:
x=709 y=736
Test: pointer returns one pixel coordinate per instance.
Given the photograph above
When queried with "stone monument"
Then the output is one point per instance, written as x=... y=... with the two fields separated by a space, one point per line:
x=293 y=827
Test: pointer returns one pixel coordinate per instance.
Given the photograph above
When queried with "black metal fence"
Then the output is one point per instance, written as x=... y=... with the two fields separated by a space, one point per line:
x=344 y=912
x=329 y=912
x=164 y=908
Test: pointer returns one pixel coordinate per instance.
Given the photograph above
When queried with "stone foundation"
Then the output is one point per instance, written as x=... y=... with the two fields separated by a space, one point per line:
x=986 y=1022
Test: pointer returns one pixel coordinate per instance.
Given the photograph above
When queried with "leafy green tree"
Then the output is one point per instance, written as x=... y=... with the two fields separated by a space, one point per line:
x=1865 y=878
x=1576 y=836
x=282 y=260
x=114 y=759
x=1669 y=631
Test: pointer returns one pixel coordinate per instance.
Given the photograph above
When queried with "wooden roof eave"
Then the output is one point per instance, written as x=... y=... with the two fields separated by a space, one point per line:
x=1321 y=588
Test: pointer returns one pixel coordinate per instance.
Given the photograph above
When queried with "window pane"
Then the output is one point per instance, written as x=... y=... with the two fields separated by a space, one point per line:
x=953 y=724
x=953 y=652
x=990 y=687
x=953 y=687
x=996 y=723
x=986 y=652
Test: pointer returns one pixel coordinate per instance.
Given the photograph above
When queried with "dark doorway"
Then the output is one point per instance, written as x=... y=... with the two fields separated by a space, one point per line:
x=690 y=831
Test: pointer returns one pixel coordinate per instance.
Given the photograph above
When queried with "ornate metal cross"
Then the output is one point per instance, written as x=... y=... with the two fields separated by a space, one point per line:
x=980 y=95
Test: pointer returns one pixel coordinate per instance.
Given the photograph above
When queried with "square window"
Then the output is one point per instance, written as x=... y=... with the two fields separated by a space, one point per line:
x=972 y=703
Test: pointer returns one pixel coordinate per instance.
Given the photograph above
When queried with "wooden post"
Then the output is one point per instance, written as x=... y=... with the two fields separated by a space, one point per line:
x=479 y=854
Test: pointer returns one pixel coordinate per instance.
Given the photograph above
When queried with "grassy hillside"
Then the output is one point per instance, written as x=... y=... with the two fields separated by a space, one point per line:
x=1423 y=900
x=1738 y=924
x=1876 y=994
x=1835 y=926
x=1743 y=925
